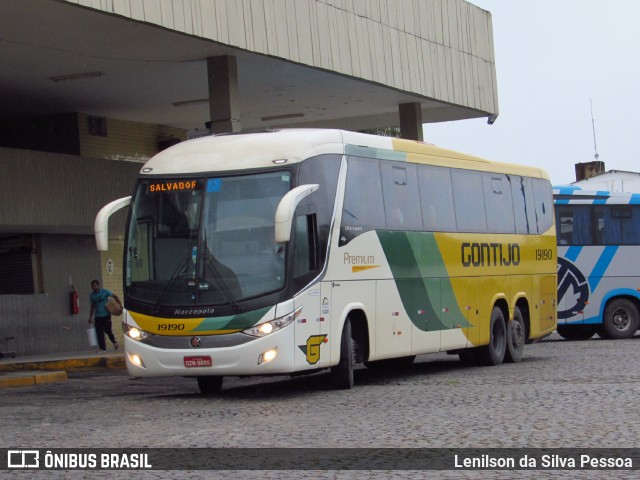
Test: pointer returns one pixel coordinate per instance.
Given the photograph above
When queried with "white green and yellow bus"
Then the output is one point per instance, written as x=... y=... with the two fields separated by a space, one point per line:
x=598 y=263
x=300 y=250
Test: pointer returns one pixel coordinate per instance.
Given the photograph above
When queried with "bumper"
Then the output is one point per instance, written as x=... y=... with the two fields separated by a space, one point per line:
x=237 y=360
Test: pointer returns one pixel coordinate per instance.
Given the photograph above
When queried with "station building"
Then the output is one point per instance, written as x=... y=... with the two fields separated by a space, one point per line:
x=592 y=176
x=91 y=89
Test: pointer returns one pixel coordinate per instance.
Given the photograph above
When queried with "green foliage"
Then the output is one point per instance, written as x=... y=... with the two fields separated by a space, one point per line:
x=384 y=132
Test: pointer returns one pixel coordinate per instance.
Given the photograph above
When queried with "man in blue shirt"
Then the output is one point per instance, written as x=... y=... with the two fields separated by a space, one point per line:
x=99 y=298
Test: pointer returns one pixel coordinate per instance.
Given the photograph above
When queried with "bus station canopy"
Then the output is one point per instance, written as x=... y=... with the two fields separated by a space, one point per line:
x=311 y=63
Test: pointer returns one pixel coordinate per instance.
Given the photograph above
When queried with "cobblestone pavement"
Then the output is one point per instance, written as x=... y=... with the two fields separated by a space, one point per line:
x=563 y=394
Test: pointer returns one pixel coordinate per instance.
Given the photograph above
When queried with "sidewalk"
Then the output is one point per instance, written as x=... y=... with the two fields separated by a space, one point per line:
x=53 y=368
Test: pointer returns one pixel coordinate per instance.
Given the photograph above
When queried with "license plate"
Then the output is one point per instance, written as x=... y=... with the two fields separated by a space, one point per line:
x=198 y=361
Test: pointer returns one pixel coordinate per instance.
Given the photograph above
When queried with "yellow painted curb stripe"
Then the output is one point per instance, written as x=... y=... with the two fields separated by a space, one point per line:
x=21 y=381
x=91 y=363
x=50 y=377
x=25 y=380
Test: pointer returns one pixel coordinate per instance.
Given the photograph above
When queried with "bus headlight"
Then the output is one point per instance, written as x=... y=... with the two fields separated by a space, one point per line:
x=136 y=360
x=134 y=332
x=274 y=325
x=267 y=356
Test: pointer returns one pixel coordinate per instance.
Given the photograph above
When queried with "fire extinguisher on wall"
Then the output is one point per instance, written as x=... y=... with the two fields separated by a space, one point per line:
x=74 y=301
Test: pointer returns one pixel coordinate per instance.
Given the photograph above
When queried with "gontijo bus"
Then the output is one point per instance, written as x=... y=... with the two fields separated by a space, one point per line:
x=598 y=263
x=301 y=250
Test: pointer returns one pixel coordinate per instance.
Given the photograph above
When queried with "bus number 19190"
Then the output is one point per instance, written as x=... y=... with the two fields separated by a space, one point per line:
x=167 y=327
x=544 y=254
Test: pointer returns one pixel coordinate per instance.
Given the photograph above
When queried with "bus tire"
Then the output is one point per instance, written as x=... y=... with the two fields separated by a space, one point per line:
x=210 y=385
x=576 y=332
x=516 y=336
x=620 y=319
x=342 y=373
x=493 y=354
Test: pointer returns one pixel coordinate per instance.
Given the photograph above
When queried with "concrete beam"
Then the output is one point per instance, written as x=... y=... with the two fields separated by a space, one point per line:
x=410 y=121
x=224 y=103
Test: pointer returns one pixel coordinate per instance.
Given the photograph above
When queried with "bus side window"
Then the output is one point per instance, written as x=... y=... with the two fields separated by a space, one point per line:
x=617 y=225
x=598 y=226
x=436 y=198
x=631 y=229
x=140 y=246
x=323 y=170
x=469 y=202
x=305 y=247
x=581 y=231
x=564 y=225
x=363 y=208
x=497 y=197
x=401 y=197
x=615 y=219
x=523 y=204
x=543 y=196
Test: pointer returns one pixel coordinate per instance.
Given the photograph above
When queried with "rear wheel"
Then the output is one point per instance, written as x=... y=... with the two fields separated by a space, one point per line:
x=342 y=373
x=620 y=319
x=210 y=385
x=516 y=336
x=493 y=354
x=576 y=332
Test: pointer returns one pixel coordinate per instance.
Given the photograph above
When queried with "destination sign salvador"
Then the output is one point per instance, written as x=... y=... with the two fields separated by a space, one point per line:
x=171 y=186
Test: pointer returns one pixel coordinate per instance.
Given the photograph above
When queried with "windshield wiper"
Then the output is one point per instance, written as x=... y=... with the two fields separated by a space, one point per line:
x=215 y=266
x=177 y=273
x=219 y=279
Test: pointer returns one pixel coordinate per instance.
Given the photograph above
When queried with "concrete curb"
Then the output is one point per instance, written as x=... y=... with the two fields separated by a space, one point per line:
x=25 y=379
x=35 y=372
x=89 y=363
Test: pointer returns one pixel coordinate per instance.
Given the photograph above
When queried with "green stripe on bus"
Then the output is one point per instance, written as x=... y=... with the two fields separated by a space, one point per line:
x=241 y=321
x=422 y=279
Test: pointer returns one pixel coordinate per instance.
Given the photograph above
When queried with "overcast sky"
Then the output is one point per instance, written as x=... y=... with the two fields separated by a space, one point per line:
x=552 y=57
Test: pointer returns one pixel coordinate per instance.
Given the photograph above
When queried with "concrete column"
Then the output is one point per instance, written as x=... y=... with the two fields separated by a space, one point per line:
x=410 y=121
x=224 y=104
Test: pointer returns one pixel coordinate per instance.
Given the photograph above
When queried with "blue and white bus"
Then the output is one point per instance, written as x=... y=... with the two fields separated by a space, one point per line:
x=598 y=236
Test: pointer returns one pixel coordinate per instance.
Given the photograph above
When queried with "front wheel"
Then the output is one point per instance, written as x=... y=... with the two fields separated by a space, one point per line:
x=620 y=319
x=210 y=385
x=493 y=354
x=516 y=336
x=342 y=373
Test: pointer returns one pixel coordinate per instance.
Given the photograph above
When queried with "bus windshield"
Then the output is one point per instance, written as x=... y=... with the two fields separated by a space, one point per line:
x=205 y=241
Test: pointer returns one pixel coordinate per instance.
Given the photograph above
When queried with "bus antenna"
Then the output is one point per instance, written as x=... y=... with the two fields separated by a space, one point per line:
x=593 y=126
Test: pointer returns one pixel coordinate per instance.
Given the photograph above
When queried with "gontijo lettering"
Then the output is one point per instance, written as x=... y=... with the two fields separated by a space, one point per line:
x=170 y=186
x=490 y=254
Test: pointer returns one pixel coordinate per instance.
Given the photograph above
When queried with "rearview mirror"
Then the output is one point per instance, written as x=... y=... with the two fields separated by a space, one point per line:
x=286 y=208
x=101 y=225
